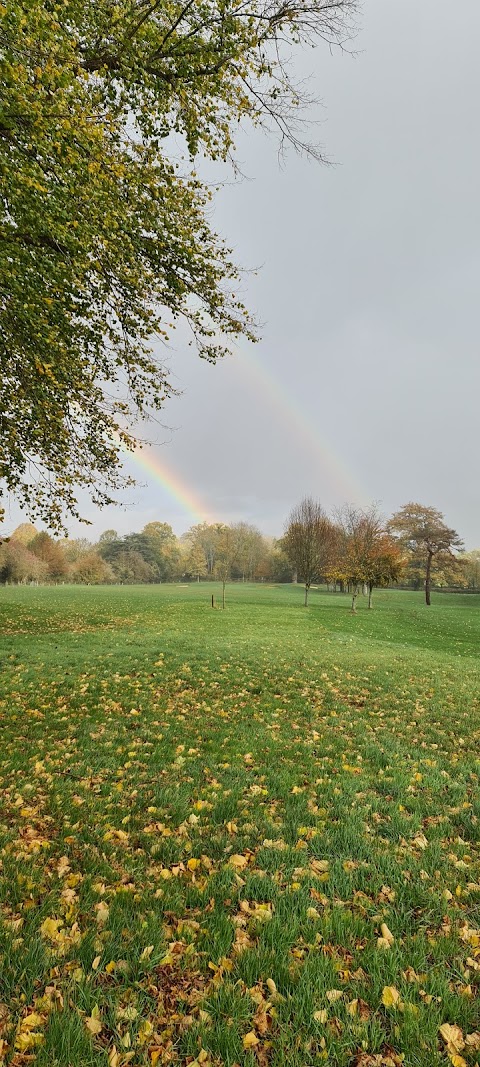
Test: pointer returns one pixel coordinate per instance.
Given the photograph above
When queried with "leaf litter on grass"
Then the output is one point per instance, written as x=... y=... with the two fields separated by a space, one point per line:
x=253 y=852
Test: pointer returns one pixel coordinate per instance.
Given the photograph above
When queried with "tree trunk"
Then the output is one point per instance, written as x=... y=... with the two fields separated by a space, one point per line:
x=354 y=598
x=306 y=595
x=370 y=591
x=428 y=578
x=223 y=595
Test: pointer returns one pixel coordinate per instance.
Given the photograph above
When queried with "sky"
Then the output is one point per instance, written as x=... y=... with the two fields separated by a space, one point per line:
x=365 y=385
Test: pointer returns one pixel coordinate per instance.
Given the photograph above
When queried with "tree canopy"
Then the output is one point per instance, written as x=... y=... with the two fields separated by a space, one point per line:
x=423 y=531
x=367 y=554
x=105 y=240
x=309 y=541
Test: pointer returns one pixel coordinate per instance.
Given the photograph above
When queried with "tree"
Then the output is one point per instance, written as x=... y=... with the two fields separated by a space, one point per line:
x=225 y=556
x=17 y=564
x=165 y=549
x=49 y=552
x=130 y=567
x=386 y=564
x=366 y=553
x=280 y=568
x=75 y=549
x=250 y=549
x=90 y=569
x=106 y=240
x=422 y=530
x=471 y=565
x=309 y=541
x=206 y=536
x=195 y=563
x=107 y=536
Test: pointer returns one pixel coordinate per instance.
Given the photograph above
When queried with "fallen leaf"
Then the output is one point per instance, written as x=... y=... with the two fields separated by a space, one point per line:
x=390 y=996
x=239 y=862
x=453 y=1038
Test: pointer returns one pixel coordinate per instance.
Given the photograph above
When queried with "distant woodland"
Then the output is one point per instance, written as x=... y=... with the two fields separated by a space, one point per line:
x=355 y=546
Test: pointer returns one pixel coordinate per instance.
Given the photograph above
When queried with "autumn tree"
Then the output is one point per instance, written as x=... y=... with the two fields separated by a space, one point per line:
x=18 y=564
x=423 y=531
x=90 y=569
x=50 y=553
x=75 y=548
x=195 y=563
x=106 y=241
x=205 y=536
x=226 y=554
x=25 y=533
x=366 y=553
x=250 y=549
x=471 y=568
x=309 y=541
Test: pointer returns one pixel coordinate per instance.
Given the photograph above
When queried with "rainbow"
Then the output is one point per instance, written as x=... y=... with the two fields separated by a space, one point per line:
x=331 y=466
x=333 y=469
x=169 y=480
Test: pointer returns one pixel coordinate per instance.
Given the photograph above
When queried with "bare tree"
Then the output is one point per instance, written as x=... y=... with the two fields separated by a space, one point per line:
x=309 y=541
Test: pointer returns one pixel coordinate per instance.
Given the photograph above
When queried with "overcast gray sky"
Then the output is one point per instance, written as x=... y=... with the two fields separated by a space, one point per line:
x=366 y=384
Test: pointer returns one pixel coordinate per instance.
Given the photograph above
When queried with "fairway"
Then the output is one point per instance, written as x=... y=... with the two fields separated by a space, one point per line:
x=242 y=837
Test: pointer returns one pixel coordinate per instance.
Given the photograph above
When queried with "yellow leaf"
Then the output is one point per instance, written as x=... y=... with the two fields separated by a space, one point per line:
x=63 y=866
x=145 y=1031
x=96 y=963
x=390 y=996
x=102 y=911
x=387 y=934
x=453 y=1038
x=334 y=994
x=31 y=1021
x=93 y=1024
x=147 y=952
x=192 y=864
x=50 y=928
x=250 y=1040
x=321 y=1016
x=238 y=862
x=31 y=1039
x=319 y=866
x=420 y=841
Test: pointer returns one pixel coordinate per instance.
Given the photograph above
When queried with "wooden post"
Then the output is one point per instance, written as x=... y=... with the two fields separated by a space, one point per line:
x=213 y=602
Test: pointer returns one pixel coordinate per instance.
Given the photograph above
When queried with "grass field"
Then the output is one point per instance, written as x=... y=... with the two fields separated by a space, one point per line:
x=246 y=837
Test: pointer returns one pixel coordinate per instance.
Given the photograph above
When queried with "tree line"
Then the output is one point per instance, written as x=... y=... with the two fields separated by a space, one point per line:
x=354 y=549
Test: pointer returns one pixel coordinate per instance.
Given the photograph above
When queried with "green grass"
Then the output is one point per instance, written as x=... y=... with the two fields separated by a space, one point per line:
x=207 y=818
